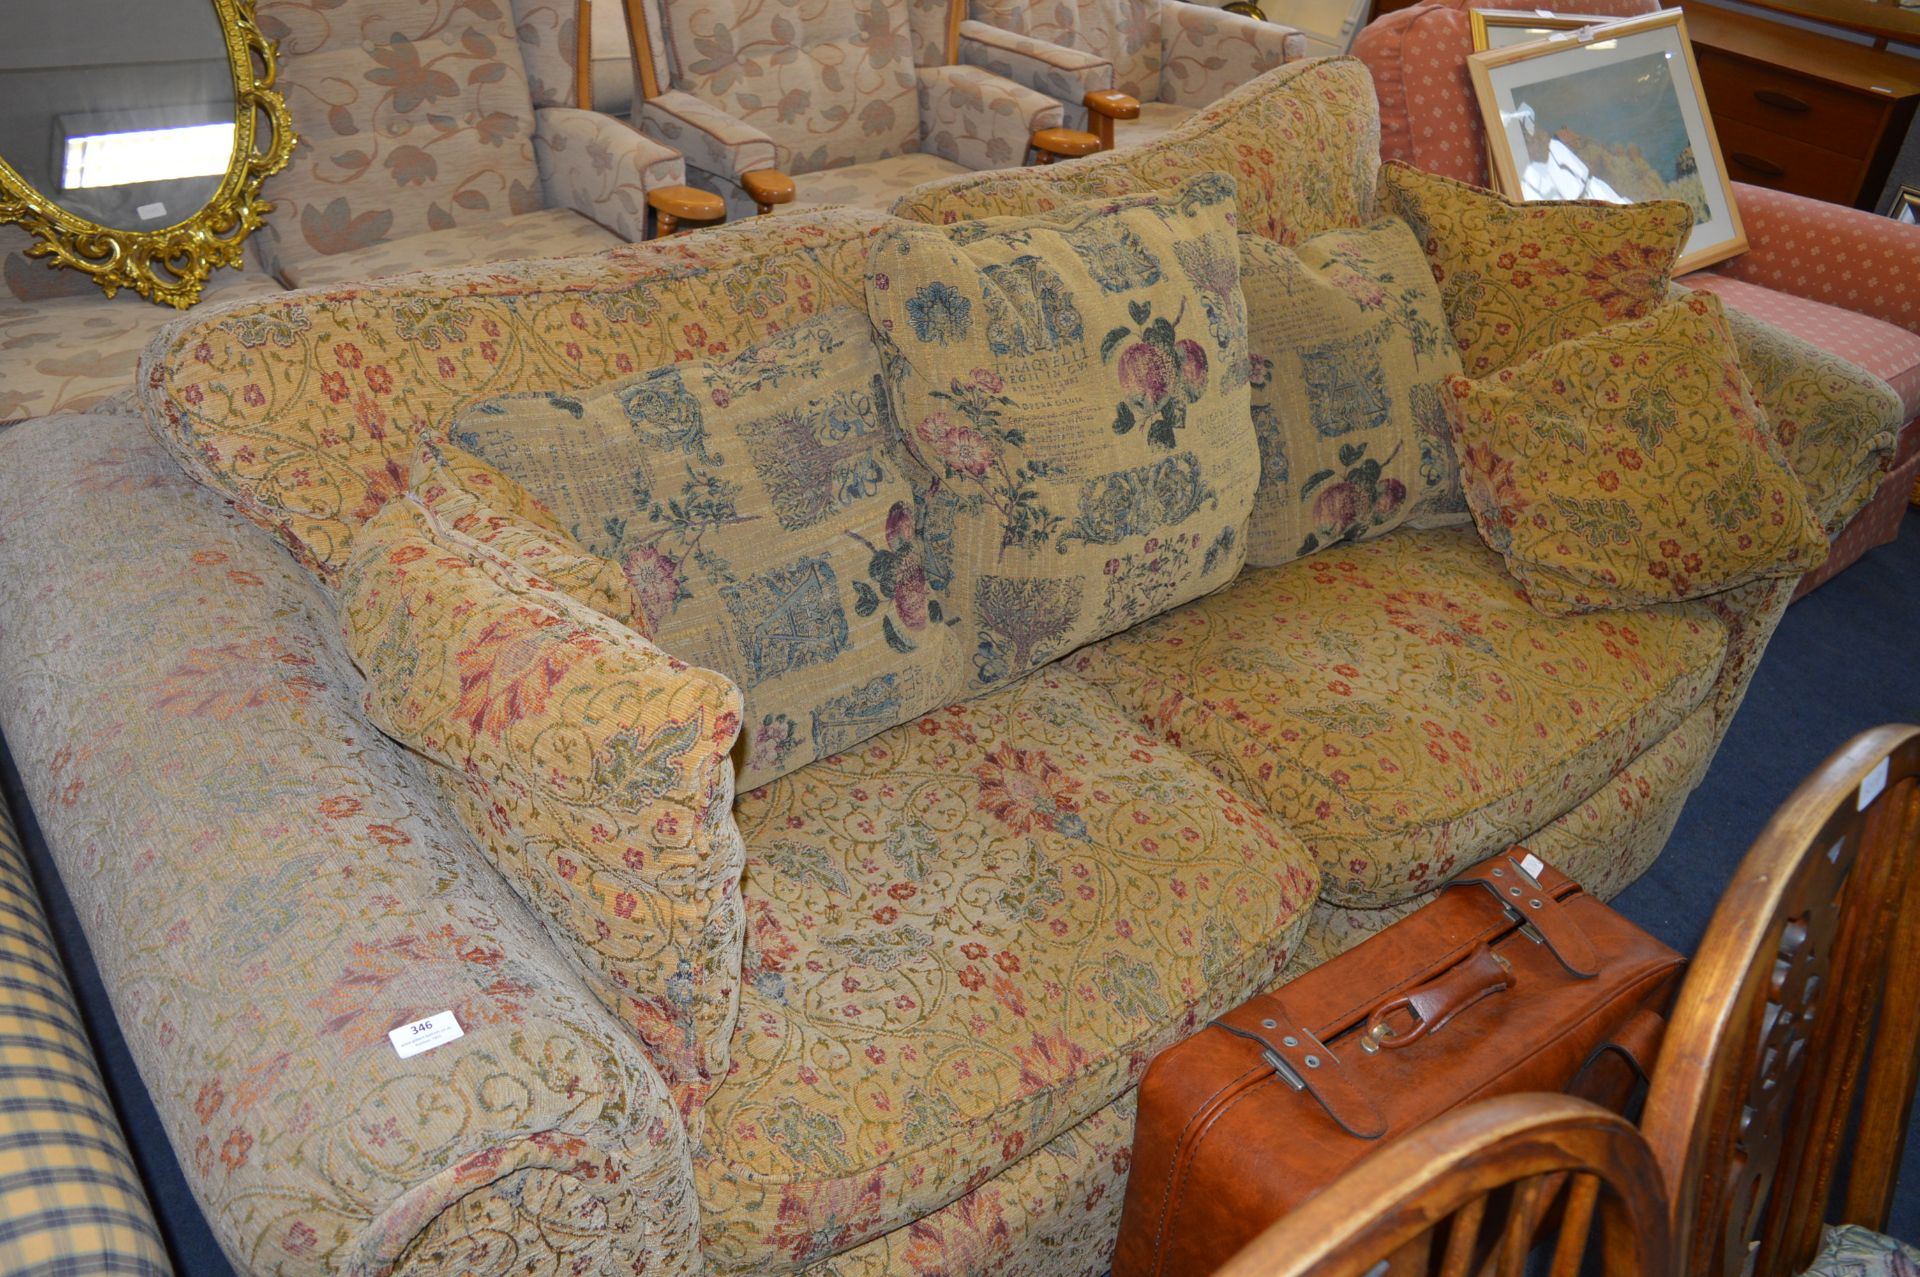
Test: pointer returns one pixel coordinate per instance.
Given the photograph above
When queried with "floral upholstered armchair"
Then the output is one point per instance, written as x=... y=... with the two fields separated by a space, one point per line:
x=437 y=134
x=832 y=94
x=1129 y=69
x=1835 y=278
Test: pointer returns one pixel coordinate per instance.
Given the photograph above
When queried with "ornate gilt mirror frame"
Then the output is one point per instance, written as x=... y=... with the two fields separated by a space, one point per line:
x=171 y=264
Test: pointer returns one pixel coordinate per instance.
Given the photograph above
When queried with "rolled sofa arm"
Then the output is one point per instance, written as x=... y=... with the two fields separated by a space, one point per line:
x=712 y=140
x=601 y=168
x=1063 y=74
x=1825 y=253
x=979 y=120
x=269 y=888
x=1207 y=53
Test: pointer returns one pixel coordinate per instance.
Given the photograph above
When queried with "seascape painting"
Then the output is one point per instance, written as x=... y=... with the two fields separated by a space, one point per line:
x=1613 y=132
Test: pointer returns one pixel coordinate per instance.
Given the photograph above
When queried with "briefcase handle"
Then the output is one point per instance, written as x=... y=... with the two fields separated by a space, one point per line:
x=1482 y=974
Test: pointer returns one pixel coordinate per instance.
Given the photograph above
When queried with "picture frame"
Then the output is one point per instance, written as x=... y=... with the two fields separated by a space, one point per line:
x=1613 y=112
x=1504 y=28
x=1905 y=208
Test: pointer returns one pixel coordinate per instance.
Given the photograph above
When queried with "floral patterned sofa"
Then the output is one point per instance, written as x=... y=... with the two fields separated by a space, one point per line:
x=957 y=943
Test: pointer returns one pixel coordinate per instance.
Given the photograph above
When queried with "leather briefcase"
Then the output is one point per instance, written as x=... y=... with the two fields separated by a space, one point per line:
x=1512 y=979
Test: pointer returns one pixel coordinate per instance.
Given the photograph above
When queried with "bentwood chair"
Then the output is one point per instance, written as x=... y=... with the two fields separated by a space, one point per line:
x=1802 y=1006
x=1473 y=1192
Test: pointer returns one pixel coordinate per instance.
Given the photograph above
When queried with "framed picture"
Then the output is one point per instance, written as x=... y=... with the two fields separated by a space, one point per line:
x=1504 y=28
x=1615 y=113
x=1906 y=206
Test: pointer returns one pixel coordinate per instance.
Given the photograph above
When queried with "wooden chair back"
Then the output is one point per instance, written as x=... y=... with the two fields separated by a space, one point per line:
x=1472 y=1191
x=1803 y=1002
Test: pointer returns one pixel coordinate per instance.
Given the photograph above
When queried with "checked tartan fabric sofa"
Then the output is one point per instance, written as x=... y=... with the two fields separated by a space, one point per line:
x=1013 y=814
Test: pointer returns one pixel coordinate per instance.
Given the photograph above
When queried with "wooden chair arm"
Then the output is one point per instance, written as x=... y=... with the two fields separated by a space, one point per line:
x=673 y=205
x=1063 y=144
x=1104 y=106
x=767 y=187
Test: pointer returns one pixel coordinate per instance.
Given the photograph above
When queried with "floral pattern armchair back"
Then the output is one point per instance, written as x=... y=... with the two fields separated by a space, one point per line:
x=414 y=116
x=1124 y=32
x=830 y=81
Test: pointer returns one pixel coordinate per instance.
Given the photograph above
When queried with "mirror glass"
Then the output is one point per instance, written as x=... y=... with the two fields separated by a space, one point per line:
x=121 y=113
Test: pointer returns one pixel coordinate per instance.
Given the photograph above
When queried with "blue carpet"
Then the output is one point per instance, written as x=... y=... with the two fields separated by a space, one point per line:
x=1842 y=661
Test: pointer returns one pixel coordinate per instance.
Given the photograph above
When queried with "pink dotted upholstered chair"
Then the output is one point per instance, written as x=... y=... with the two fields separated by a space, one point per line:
x=438 y=133
x=1838 y=278
x=1157 y=61
x=837 y=95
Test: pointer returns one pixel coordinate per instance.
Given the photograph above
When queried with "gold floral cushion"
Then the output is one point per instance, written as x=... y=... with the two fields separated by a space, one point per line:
x=1517 y=278
x=964 y=938
x=478 y=501
x=1350 y=355
x=761 y=512
x=1076 y=383
x=1632 y=466
x=590 y=767
x=1399 y=707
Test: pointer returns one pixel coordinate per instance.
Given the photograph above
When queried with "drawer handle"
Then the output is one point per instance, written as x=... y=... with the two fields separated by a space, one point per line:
x=1782 y=101
x=1758 y=165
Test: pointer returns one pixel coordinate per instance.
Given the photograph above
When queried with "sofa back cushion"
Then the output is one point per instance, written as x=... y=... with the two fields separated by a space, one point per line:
x=1351 y=356
x=591 y=768
x=1517 y=278
x=306 y=410
x=1429 y=116
x=413 y=117
x=1124 y=32
x=830 y=81
x=761 y=510
x=1076 y=384
x=1301 y=143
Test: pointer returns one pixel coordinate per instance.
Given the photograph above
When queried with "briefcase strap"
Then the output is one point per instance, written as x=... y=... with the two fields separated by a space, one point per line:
x=1527 y=887
x=1306 y=1064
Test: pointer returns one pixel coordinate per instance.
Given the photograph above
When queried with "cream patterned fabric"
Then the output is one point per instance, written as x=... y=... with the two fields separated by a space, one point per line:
x=1006 y=340
x=964 y=938
x=1156 y=120
x=874 y=186
x=1063 y=74
x=761 y=510
x=1206 y=52
x=74 y=1204
x=1398 y=704
x=550 y=232
x=830 y=81
x=601 y=168
x=1848 y=1250
x=548 y=34
x=269 y=886
x=978 y=120
x=1350 y=355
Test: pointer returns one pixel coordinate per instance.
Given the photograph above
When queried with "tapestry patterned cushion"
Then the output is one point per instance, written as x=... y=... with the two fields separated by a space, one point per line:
x=590 y=767
x=1350 y=356
x=478 y=501
x=1517 y=278
x=1076 y=383
x=1632 y=467
x=761 y=511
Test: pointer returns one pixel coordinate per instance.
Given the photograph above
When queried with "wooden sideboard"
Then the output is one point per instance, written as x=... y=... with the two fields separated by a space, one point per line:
x=1802 y=112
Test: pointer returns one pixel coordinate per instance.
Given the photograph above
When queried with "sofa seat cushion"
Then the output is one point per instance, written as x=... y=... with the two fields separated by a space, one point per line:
x=550 y=232
x=875 y=184
x=1889 y=352
x=963 y=938
x=1156 y=120
x=1401 y=707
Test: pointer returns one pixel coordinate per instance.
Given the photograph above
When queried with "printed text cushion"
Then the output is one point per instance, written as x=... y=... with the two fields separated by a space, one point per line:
x=1888 y=351
x=478 y=501
x=1076 y=383
x=1350 y=355
x=1400 y=707
x=1632 y=467
x=589 y=766
x=761 y=510
x=964 y=937
x=1516 y=278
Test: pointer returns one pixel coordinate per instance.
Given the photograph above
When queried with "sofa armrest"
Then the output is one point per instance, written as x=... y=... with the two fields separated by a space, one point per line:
x=1207 y=53
x=979 y=120
x=1836 y=421
x=1063 y=74
x=1841 y=256
x=269 y=886
x=601 y=168
x=712 y=140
